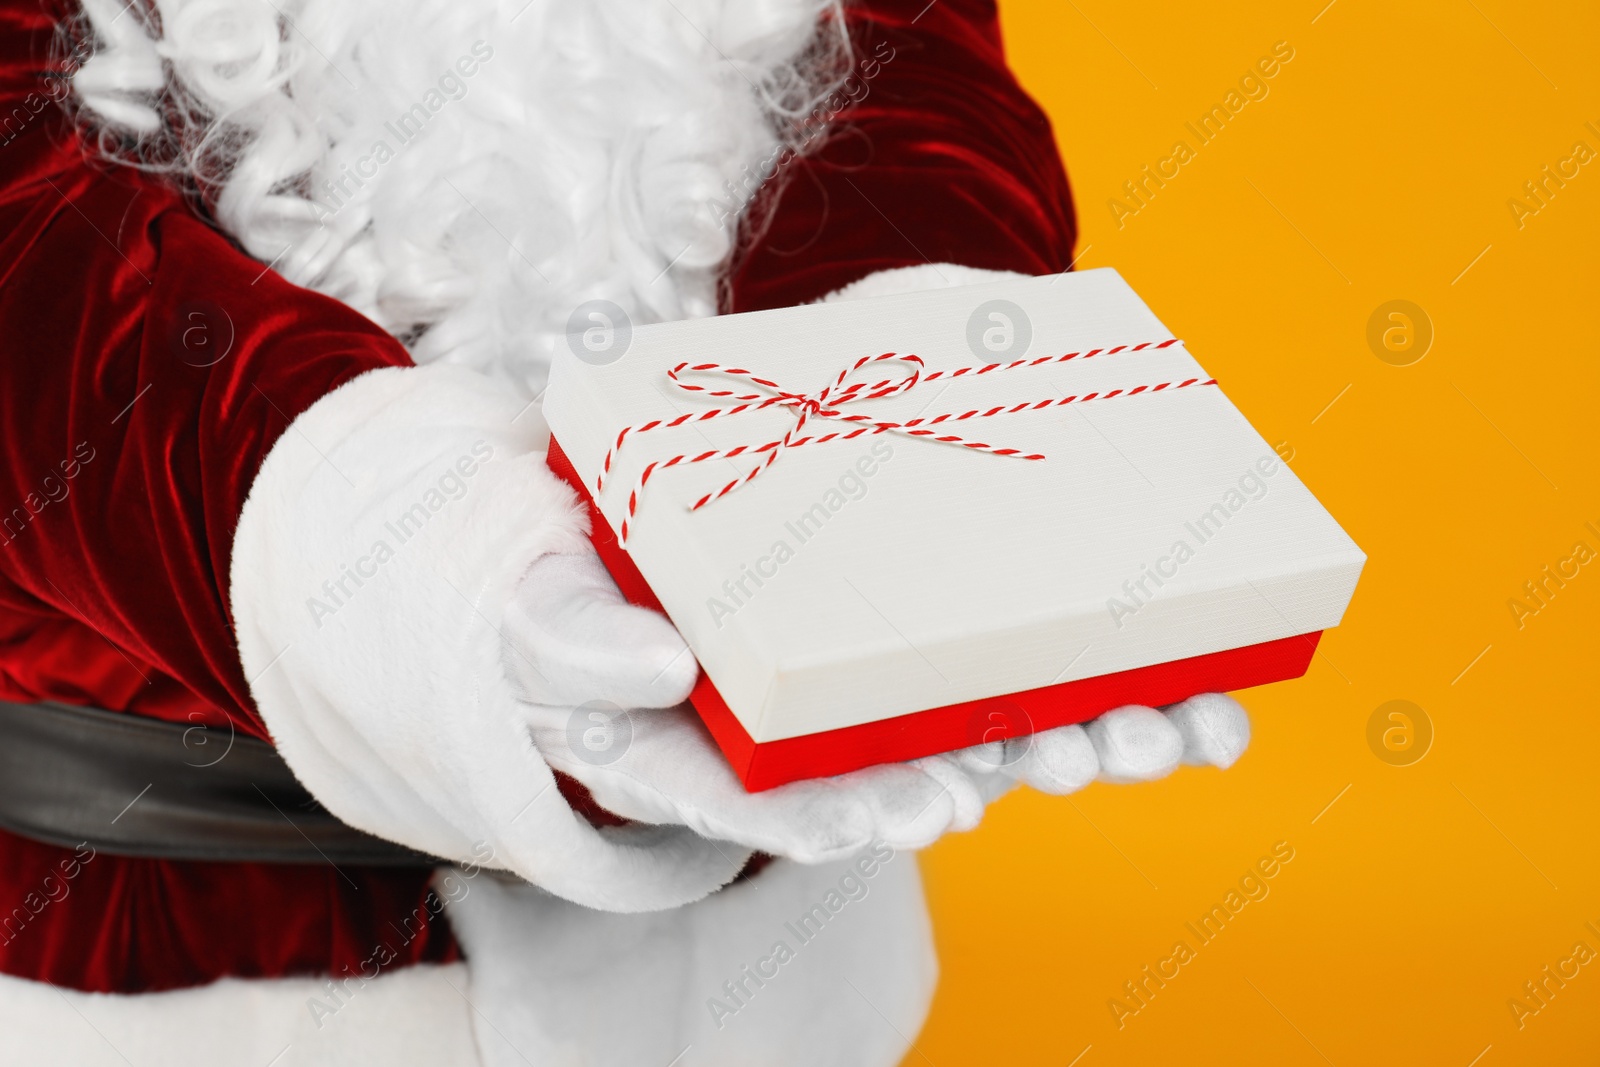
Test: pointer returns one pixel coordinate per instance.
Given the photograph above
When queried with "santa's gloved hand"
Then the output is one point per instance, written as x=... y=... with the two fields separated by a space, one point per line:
x=579 y=653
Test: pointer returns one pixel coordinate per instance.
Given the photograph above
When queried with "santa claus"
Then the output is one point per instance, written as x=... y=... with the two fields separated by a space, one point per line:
x=273 y=275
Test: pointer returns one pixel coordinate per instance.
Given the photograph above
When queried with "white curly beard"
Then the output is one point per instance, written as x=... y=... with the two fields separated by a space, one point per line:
x=597 y=149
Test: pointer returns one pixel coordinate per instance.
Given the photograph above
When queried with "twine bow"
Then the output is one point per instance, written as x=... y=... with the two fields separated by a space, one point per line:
x=830 y=402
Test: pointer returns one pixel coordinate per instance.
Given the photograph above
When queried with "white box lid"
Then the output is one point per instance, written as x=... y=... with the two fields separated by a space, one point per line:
x=950 y=575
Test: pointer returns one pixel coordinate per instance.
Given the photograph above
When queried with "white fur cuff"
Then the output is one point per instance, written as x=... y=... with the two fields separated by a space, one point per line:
x=382 y=540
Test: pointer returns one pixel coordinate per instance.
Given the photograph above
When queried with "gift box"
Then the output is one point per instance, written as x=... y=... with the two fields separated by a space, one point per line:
x=899 y=526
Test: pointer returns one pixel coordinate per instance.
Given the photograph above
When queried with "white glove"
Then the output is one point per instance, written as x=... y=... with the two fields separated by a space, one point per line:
x=580 y=653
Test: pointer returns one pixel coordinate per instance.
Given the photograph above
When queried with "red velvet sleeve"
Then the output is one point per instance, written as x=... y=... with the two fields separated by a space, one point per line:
x=146 y=368
x=937 y=156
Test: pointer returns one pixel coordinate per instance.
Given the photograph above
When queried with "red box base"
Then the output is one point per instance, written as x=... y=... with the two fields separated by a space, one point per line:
x=925 y=733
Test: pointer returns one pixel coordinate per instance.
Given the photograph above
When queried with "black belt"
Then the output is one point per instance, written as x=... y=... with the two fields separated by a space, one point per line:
x=135 y=786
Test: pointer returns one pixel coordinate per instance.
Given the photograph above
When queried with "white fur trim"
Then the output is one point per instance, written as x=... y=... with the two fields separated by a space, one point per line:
x=414 y=1017
x=373 y=562
x=554 y=983
x=915 y=279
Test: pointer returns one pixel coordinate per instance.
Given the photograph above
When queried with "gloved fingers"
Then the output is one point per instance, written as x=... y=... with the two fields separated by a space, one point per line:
x=665 y=768
x=661 y=767
x=994 y=766
x=571 y=638
x=809 y=822
x=906 y=806
x=1215 y=729
x=989 y=757
x=672 y=772
x=613 y=752
x=1058 y=761
x=1135 y=744
x=966 y=800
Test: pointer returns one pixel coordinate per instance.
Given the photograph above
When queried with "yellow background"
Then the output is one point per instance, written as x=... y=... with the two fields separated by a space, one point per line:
x=1379 y=167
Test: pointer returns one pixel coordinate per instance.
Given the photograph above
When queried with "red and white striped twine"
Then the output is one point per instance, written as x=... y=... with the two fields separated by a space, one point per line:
x=828 y=402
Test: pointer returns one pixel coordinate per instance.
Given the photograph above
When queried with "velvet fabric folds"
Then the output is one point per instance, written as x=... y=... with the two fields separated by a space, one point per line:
x=937 y=156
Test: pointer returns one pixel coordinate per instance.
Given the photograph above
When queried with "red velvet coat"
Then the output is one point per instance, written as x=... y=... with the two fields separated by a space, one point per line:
x=123 y=467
